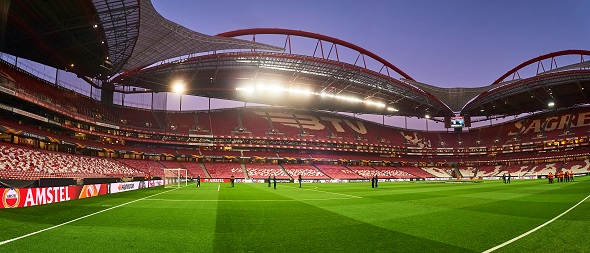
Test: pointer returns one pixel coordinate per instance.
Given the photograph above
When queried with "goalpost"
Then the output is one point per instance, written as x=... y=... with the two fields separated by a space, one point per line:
x=175 y=178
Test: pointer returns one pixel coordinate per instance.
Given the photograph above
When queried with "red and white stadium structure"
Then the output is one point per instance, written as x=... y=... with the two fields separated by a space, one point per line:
x=126 y=47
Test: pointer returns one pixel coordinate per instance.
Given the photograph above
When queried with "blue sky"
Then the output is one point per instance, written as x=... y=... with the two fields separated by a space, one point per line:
x=456 y=43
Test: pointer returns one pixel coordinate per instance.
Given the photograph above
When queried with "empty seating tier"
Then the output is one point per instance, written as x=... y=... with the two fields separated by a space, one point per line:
x=338 y=172
x=224 y=170
x=391 y=172
x=306 y=171
x=264 y=171
x=26 y=163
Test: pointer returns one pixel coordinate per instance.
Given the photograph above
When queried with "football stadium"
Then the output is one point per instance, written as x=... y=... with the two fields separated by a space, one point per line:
x=308 y=160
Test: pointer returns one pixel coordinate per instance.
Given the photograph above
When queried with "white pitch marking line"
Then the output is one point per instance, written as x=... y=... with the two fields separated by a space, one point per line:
x=535 y=229
x=240 y=200
x=80 y=218
x=218 y=186
x=341 y=194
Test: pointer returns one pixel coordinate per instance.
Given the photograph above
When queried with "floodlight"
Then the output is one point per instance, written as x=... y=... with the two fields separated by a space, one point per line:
x=378 y=104
x=260 y=87
x=275 y=88
x=551 y=104
x=323 y=94
x=300 y=91
x=178 y=87
x=347 y=98
x=427 y=116
x=248 y=89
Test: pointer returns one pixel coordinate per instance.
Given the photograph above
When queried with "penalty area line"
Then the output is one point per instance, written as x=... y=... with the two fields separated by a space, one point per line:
x=80 y=218
x=537 y=228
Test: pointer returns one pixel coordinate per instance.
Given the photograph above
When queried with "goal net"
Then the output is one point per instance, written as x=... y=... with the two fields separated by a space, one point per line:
x=175 y=178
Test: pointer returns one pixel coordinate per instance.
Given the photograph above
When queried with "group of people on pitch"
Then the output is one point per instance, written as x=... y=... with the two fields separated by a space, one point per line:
x=562 y=176
x=506 y=178
x=274 y=181
x=374 y=181
x=232 y=181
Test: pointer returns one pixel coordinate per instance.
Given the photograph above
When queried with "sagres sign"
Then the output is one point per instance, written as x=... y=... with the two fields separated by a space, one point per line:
x=525 y=126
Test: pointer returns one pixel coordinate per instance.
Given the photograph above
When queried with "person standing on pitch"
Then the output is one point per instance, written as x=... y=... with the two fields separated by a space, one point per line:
x=504 y=177
x=376 y=181
x=268 y=181
x=232 y=179
x=550 y=177
x=561 y=176
x=199 y=181
x=299 y=180
x=372 y=181
x=274 y=179
x=508 y=178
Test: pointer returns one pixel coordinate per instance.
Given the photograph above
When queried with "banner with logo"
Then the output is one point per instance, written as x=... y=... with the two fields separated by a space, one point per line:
x=216 y=180
x=128 y=186
x=25 y=197
x=154 y=183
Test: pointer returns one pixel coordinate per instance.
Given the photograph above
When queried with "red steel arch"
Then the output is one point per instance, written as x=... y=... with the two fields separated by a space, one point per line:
x=255 y=31
x=540 y=58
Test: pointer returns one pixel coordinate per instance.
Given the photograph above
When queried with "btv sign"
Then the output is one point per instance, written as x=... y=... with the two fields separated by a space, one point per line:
x=313 y=123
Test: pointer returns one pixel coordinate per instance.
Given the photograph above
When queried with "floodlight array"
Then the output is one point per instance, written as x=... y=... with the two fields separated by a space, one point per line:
x=307 y=92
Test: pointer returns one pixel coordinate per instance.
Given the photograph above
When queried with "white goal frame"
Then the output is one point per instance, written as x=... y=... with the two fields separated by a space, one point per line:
x=173 y=178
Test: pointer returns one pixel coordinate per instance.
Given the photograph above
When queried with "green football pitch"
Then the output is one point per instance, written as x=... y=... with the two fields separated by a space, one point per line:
x=531 y=215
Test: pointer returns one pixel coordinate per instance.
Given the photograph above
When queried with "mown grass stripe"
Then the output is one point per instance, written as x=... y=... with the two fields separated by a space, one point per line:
x=535 y=229
x=80 y=218
x=335 y=193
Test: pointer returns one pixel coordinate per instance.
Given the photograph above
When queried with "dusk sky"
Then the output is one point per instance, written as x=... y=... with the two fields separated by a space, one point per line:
x=457 y=43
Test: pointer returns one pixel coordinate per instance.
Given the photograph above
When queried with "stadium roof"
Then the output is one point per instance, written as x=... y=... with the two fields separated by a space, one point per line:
x=219 y=76
x=101 y=38
x=550 y=87
x=124 y=38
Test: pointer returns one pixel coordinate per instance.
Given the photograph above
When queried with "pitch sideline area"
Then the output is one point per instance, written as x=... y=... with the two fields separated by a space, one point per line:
x=316 y=218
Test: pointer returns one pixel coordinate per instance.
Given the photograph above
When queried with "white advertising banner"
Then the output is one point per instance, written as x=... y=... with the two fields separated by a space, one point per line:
x=154 y=183
x=123 y=187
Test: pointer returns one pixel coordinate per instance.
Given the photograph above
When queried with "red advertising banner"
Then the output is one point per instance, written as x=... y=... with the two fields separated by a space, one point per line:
x=25 y=197
x=216 y=180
